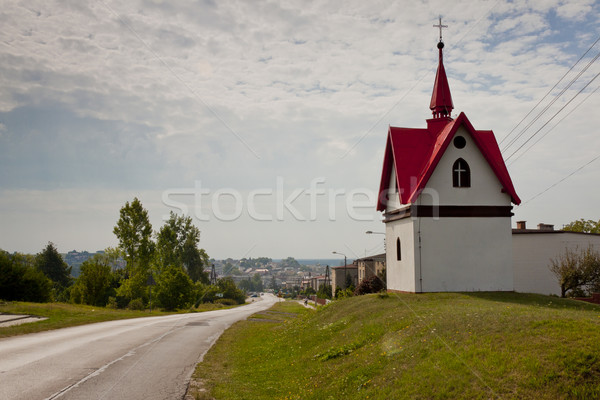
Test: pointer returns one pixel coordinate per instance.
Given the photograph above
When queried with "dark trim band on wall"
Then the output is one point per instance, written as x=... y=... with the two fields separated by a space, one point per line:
x=451 y=212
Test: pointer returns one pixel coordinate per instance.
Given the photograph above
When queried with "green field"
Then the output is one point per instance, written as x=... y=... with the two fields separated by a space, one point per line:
x=61 y=315
x=410 y=346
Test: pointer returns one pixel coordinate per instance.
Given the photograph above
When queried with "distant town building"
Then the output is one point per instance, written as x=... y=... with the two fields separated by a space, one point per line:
x=339 y=277
x=371 y=266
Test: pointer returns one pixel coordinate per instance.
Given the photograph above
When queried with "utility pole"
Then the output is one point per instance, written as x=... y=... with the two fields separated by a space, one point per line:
x=328 y=280
x=213 y=275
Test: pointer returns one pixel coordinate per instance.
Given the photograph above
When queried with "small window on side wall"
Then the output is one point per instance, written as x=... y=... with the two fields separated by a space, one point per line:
x=461 y=174
x=398 y=250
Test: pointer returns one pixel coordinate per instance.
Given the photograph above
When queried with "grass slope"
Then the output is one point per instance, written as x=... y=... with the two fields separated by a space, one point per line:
x=407 y=346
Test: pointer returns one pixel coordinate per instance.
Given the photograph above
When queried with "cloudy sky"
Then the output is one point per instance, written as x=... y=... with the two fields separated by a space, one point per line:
x=266 y=121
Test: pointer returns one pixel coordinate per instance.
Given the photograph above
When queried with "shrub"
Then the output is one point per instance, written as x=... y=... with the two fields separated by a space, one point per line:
x=112 y=303
x=94 y=282
x=136 y=304
x=226 y=302
x=174 y=288
x=20 y=281
x=383 y=295
x=230 y=290
x=343 y=293
x=370 y=285
x=75 y=296
x=577 y=271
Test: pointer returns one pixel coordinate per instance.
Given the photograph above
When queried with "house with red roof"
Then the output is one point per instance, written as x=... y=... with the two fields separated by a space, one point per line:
x=446 y=198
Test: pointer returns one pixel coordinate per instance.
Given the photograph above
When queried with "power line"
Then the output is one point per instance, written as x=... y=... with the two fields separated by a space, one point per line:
x=555 y=114
x=551 y=129
x=514 y=140
x=563 y=179
x=550 y=91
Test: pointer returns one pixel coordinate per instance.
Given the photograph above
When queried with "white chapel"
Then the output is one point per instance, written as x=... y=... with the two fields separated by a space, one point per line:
x=446 y=197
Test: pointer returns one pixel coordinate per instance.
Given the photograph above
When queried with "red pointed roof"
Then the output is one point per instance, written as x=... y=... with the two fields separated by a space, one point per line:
x=416 y=153
x=441 y=99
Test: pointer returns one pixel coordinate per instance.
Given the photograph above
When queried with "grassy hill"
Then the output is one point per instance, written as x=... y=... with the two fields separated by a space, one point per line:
x=410 y=346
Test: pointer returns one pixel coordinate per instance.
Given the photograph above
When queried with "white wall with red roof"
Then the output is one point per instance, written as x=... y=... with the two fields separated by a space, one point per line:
x=485 y=188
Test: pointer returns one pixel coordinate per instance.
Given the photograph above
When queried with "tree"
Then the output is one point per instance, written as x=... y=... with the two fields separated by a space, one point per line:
x=227 y=268
x=51 y=263
x=174 y=288
x=349 y=282
x=324 y=292
x=577 y=271
x=21 y=281
x=290 y=262
x=582 y=225
x=134 y=232
x=257 y=284
x=274 y=285
x=230 y=291
x=245 y=285
x=373 y=284
x=252 y=285
x=94 y=282
x=177 y=244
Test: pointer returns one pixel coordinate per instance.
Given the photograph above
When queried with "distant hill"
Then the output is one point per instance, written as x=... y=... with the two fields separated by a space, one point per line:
x=75 y=258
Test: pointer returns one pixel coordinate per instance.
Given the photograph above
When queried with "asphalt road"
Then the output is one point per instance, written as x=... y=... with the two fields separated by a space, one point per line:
x=145 y=358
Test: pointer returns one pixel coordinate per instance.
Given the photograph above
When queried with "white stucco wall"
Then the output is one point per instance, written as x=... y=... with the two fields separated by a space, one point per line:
x=465 y=254
x=532 y=253
x=455 y=254
x=485 y=188
x=401 y=274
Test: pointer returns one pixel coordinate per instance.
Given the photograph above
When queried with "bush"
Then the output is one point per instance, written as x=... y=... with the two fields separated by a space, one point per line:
x=136 y=304
x=112 y=303
x=373 y=284
x=22 y=282
x=206 y=294
x=174 y=289
x=226 y=302
x=577 y=271
x=324 y=292
x=75 y=296
x=230 y=290
x=343 y=293
x=94 y=282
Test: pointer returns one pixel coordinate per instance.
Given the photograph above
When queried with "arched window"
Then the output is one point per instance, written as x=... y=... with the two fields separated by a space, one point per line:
x=461 y=174
x=398 y=250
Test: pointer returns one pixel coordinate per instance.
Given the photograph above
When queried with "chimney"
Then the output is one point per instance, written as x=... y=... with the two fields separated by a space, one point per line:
x=522 y=225
x=545 y=227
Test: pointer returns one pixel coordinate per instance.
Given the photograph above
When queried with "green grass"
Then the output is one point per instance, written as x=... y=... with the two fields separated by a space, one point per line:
x=61 y=315
x=407 y=346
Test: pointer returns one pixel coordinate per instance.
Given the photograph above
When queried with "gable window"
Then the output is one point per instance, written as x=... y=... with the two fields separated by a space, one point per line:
x=398 y=250
x=461 y=174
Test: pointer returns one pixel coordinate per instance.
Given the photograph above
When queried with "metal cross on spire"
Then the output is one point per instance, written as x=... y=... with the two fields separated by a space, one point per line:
x=439 y=25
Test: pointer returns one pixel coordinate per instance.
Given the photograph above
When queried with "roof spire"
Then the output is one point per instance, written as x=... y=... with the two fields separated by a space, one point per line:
x=441 y=99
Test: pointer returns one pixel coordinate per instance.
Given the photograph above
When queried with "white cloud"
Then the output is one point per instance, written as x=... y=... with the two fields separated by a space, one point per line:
x=576 y=10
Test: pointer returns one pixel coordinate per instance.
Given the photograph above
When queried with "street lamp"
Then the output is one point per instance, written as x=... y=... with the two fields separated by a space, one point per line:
x=345 y=269
x=377 y=233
